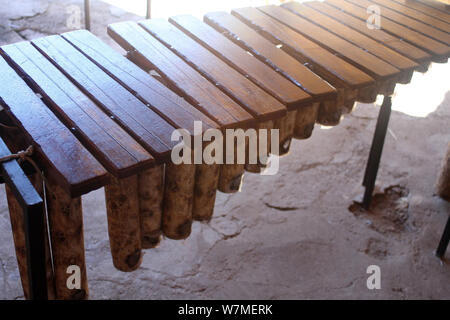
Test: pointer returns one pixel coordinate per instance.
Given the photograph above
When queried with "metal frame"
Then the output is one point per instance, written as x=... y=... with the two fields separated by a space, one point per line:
x=445 y=239
x=87 y=13
x=373 y=163
x=34 y=223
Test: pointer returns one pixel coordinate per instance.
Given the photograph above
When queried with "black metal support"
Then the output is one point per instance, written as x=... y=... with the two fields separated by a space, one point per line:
x=34 y=223
x=443 y=244
x=149 y=9
x=87 y=14
x=376 y=150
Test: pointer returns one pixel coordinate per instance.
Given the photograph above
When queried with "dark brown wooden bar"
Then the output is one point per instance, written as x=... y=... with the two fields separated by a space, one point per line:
x=370 y=64
x=262 y=104
x=402 y=47
x=431 y=21
x=405 y=65
x=333 y=69
x=433 y=12
x=259 y=73
x=140 y=121
x=399 y=18
x=150 y=54
x=439 y=50
x=56 y=149
x=119 y=153
x=268 y=53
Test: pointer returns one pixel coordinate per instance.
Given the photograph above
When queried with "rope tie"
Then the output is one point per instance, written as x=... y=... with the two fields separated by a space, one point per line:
x=22 y=156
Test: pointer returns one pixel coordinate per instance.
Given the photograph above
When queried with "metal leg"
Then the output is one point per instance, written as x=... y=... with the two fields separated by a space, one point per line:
x=149 y=9
x=373 y=163
x=87 y=14
x=443 y=244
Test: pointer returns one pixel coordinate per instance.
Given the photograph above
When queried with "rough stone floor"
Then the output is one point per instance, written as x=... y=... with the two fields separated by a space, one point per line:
x=295 y=235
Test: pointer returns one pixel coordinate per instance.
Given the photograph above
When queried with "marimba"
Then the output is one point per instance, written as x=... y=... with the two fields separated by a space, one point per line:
x=98 y=119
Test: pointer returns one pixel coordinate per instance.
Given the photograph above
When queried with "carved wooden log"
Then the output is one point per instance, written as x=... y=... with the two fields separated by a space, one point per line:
x=178 y=201
x=230 y=179
x=66 y=230
x=330 y=112
x=122 y=207
x=387 y=87
x=258 y=167
x=206 y=182
x=350 y=97
x=368 y=94
x=151 y=187
x=286 y=126
x=305 y=120
x=443 y=184
x=18 y=231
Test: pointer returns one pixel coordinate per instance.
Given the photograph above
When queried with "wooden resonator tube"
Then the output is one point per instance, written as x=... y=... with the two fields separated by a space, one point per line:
x=122 y=207
x=66 y=230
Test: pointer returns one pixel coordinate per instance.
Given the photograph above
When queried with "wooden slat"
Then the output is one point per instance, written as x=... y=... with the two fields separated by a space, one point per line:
x=399 y=18
x=217 y=71
x=267 y=52
x=367 y=62
x=402 y=47
x=119 y=153
x=179 y=75
x=436 y=23
x=438 y=14
x=358 y=39
x=440 y=50
x=63 y=157
x=138 y=119
x=259 y=73
x=151 y=91
x=327 y=65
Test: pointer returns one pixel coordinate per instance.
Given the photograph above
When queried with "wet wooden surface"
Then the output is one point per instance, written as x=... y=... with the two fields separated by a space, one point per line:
x=270 y=54
x=414 y=37
x=249 y=66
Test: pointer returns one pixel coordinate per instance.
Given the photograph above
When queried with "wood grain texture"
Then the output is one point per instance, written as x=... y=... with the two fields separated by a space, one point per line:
x=108 y=142
x=178 y=200
x=149 y=53
x=140 y=121
x=173 y=108
x=433 y=12
x=331 y=68
x=122 y=207
x=402 y=47
x=249 y=66
x=151 y=194
x=384 y=53
x=305 y=120
x=230 y=180
x=67 y=241
x=399 y=18
x=414 y=14
x=268 y=53
x=286 y=126
x=56 y=148
x=438 y=49
x=261 y=104
x=206 y=183
x=363 y=60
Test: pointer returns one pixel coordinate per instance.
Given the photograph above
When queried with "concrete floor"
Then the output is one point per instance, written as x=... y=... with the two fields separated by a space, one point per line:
x=295 y=235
